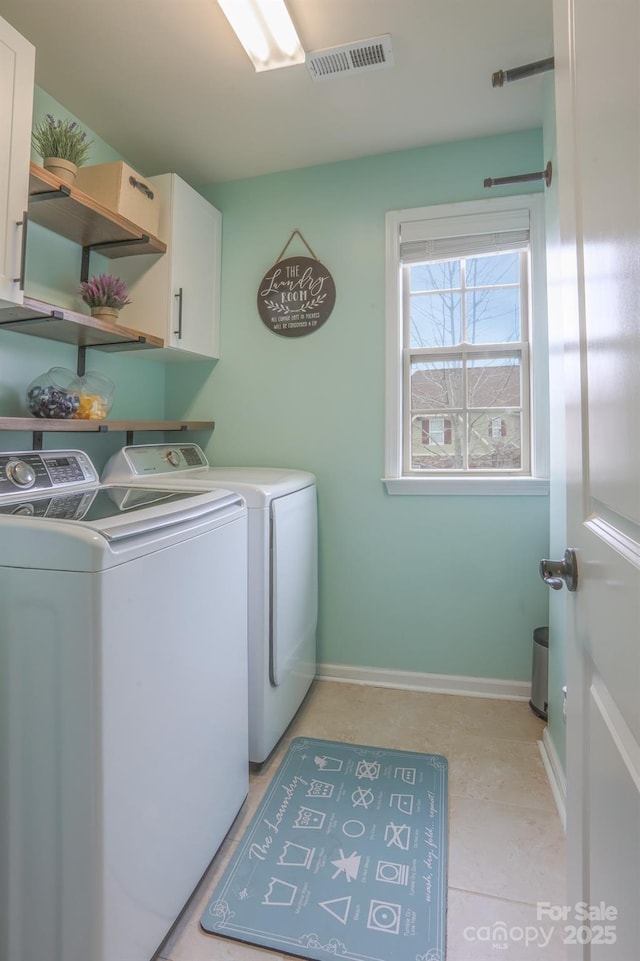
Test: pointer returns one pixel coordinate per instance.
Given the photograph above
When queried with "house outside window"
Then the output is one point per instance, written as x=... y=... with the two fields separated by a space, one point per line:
x=465 y=306
x=436 y=431
x=497 y=427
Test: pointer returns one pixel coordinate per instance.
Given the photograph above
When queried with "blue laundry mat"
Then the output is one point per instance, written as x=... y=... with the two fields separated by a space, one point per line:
x=345 y=857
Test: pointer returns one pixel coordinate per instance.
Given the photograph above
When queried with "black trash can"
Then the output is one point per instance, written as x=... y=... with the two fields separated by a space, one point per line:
x=540 y=673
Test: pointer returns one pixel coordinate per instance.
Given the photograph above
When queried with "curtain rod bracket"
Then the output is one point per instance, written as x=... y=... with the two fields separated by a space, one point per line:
x=545 y=175
x=500 y=77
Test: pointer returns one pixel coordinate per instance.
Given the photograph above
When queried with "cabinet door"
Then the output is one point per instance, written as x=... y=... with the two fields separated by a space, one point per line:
x=195 y=272
x=17 y=65
x=176 y=295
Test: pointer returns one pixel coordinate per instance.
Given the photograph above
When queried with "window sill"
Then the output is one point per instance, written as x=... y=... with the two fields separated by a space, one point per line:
x=471 y=486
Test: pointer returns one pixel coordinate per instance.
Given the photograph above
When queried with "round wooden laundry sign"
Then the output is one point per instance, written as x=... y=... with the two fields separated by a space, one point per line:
x=296 y=296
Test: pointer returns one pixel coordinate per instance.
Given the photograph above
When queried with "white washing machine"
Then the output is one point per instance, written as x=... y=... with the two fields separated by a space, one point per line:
x=123 y=704
x=283 y=571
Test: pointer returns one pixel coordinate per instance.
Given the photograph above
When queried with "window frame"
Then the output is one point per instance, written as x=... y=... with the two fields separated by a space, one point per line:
x=535 y=480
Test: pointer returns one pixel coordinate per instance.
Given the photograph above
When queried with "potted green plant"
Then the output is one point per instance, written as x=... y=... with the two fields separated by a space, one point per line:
x=106 y=295
x=63 y=146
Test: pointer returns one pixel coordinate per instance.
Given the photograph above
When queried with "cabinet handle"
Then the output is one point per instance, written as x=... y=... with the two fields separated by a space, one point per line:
x=23 y=250
x=178 y=332
x=143 y=188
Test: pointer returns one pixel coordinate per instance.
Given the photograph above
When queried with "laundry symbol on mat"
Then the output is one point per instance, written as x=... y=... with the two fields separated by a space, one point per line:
x=324 y=763
x=320 y=789
x=384 y=916
x=406 y=774
x=368 y=769
x=338 y=908
x=296 y=855
x=392 y=873
x=350 y=866
x=362 y=797
x=397 y=835
x=353 y=829
x=308 y=818
x=280 y=893
x=404 y=802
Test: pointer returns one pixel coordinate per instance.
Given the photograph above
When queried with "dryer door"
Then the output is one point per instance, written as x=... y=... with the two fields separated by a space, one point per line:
x=294 y=586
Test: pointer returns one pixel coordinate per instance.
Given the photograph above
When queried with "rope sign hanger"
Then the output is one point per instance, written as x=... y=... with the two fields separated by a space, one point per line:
x=296 y=231
x=297 y=294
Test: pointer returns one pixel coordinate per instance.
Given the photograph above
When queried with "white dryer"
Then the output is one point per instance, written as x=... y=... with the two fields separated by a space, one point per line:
x=282 y=575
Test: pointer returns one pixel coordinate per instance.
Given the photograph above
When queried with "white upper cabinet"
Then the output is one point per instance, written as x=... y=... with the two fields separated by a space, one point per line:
x=176 y=296
x=17 y=67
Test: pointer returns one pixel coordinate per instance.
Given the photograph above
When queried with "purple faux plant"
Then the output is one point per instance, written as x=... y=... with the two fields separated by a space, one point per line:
x=105 y=291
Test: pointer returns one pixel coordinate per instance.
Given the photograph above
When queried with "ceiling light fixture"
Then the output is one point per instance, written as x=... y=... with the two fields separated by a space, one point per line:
x=266 y=31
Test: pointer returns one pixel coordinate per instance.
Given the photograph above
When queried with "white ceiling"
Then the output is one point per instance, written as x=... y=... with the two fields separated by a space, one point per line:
x=168 y=85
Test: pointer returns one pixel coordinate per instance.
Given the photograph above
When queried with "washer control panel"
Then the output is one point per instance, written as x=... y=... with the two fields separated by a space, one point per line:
x=44 y=470
x=144 y=460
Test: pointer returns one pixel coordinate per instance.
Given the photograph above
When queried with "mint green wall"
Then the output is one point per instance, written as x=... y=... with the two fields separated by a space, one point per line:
x=429 y=584
x=53 y=275
x=558 y=539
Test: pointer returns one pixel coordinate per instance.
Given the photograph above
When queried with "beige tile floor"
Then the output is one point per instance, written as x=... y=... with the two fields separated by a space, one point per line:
x=506 y=842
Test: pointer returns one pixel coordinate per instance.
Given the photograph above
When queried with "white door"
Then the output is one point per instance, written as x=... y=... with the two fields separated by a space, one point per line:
x=17 y=65
x=598 y=117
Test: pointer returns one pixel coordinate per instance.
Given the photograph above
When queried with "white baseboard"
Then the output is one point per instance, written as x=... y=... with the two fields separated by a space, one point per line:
x=557 y=777
x=430 y=683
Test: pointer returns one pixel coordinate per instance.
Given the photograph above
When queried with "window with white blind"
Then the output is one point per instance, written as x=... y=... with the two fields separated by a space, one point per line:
x=465 y=306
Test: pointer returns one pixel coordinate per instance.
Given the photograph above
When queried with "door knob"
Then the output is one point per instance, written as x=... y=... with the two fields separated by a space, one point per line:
x=555 y=573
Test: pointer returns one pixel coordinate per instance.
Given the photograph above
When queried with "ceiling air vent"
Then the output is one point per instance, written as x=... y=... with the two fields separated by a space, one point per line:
x=350 y=58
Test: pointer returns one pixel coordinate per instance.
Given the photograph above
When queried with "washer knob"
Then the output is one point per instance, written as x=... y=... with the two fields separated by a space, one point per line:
x=27 y=509
x=21 y=474
x=173 y=457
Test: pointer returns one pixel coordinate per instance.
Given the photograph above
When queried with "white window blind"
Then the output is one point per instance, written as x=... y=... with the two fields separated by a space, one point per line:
x=447 y=237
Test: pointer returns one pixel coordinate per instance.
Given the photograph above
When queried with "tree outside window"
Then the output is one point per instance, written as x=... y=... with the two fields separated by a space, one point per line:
x=466 y=321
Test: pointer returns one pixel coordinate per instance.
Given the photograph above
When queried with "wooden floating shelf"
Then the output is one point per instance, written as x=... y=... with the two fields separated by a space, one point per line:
x=44 y=424
x=78 y=217
x=38 y=319
x=85 y=221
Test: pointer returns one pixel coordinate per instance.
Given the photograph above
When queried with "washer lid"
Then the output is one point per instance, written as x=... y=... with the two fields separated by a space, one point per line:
x=96 y=506
x=98 y=527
